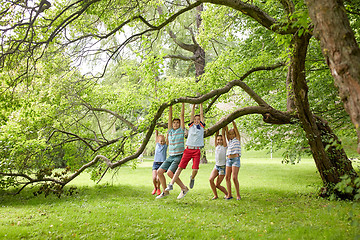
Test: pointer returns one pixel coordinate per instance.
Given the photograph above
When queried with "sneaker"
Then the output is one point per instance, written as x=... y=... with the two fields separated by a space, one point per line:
x=169 y=187
x=158 y=191
x=154 y=191
x=192 y=181
x=183 y=193
x=162 y=195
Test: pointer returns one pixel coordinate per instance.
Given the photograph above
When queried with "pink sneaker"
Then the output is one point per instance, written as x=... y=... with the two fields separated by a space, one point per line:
x=158 y=192
x=154 y=191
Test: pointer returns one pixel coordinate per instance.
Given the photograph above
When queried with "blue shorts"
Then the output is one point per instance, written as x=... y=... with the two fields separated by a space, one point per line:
x=220 y=169
x=156 y=165
x=233 y=162
x=171 y=163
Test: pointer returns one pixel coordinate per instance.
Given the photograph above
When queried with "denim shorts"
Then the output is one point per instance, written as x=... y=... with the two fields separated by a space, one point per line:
x=233 y=162
x=220 y=169
x=171 y=163
x=156 y=165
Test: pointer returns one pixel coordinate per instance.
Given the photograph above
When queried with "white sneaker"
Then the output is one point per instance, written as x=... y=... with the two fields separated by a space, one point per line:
x=162 y=195
x=169 y=187
x=183 y=193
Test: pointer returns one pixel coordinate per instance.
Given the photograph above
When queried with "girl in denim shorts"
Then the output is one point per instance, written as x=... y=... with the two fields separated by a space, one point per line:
x=233 y=155
x=159 y=158
x=220 y=164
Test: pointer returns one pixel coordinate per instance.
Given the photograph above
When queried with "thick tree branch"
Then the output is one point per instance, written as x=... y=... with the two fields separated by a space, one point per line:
x=185 y=46
x=257 y=14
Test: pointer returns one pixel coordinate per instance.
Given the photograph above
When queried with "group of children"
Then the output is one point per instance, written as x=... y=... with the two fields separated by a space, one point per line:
x=227 y=156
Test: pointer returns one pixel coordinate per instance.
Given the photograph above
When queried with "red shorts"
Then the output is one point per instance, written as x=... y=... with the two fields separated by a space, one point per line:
x=188 y=155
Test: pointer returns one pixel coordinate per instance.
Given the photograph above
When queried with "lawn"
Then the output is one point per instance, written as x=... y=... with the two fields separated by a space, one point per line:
x=278 y=202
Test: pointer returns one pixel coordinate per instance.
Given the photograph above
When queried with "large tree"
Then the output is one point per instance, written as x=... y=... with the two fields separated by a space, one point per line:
x=341 y=51
x=79 y=30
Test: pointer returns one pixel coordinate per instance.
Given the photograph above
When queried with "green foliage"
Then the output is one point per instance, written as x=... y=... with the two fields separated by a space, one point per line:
x=348 y=186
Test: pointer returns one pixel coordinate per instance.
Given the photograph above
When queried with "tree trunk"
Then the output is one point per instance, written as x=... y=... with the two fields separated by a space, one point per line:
x=203 y=159
x=199 y=53
x=341 y=51
x=290 y=103
x=331 y=161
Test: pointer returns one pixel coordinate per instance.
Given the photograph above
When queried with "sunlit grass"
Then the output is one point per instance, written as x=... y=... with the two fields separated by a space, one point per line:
x=278 y=202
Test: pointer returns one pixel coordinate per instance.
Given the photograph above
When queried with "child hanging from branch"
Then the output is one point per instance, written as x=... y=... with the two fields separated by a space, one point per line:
x=220 y=164
x=233 y=155
x=159 y=158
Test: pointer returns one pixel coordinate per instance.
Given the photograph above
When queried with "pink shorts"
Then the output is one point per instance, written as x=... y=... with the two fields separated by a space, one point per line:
x=188 y=155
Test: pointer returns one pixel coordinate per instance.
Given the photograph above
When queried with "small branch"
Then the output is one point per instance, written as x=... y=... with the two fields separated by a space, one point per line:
x=128 y=123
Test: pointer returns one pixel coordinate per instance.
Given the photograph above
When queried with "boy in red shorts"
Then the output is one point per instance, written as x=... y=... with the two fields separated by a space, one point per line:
x=194 y=143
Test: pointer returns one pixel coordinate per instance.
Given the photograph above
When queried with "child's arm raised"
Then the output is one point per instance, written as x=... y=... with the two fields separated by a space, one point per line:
x=223 y=136
x=227 y=132
x=170 y=118
x=156 y=135
x=216 y=135
x=182 y=118
x=192 y=113
x=201 y=113
x=237 y=134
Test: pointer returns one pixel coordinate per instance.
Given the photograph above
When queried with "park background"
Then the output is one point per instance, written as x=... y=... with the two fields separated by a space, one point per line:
x=84 y=85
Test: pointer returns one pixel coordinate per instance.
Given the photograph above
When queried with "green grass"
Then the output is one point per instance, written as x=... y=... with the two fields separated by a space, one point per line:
x=278 y=202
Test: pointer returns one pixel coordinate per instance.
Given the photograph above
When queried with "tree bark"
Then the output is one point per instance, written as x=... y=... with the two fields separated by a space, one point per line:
x=341 y=51
x=331 y=160
x=199 y=53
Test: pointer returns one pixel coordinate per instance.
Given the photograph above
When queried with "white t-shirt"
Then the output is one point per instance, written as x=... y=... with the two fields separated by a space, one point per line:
x=220 y=155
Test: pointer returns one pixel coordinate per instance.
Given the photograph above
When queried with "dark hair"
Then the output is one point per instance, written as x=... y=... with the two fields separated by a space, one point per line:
x=218 y=136
x=176 y=119
x=197 y=115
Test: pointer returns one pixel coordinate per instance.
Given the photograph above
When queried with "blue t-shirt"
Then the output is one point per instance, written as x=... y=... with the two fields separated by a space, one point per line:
x=196 y=135
x=160 y=152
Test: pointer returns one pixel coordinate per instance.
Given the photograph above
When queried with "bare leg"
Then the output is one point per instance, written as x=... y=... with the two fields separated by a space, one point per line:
x=236 y=181
x=157 y=182
x=154 y=177
x=194 y=173
x=162 y=178
x=218 y=182
x=228 y=181
x=178 y=181
x=176 y=176
x=213 y=175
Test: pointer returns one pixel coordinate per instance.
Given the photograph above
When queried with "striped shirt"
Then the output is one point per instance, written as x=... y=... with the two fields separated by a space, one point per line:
x=196 y=135
x=234 y=147
x=176 y=141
